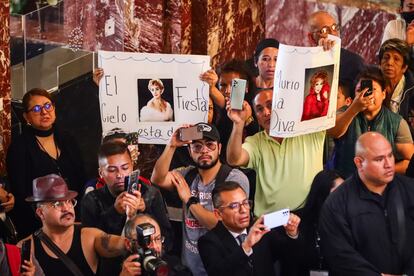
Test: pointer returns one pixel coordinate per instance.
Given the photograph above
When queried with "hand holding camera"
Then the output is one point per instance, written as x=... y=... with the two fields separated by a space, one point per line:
x=131 y=267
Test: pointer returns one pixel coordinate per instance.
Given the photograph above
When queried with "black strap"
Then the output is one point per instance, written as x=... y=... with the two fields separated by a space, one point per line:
x=400 y=221
x=58 y=252
x=189 y=177
x=222 y=174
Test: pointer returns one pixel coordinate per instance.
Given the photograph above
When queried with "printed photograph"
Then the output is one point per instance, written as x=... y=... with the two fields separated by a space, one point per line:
x=155 y=100
x=318 y=82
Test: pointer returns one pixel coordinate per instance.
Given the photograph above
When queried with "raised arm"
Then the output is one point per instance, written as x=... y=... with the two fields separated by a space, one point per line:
x=343 y=120
x=160 y=174
x=236 y=155
x=105 y=245
x=211 y=78
x=203 y=215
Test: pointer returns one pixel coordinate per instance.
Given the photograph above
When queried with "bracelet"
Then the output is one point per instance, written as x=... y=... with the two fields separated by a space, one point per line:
x=249 y=121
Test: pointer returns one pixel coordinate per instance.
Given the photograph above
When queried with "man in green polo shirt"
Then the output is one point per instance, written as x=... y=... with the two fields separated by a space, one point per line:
x=285 y=167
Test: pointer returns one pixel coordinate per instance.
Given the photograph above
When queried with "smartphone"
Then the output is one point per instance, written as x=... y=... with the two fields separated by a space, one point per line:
x=191 y=133
x=131 y=182
x=238 y=90
x=366 y=84
x=25 y=253
x=276 y=219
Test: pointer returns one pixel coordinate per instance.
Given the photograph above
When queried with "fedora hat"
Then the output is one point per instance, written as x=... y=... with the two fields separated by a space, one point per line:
x=50 y=187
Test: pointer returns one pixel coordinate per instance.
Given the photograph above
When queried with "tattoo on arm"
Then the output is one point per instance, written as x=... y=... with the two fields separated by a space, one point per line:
x=105 y=240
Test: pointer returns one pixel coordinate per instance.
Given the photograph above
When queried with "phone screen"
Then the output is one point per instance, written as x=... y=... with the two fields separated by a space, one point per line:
x=366 y=84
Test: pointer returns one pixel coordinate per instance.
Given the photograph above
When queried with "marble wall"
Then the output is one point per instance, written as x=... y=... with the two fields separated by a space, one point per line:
x=5 y=89
x=222 y=29
x=361 y=28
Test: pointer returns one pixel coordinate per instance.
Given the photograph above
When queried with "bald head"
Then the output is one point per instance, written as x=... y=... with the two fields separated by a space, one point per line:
x=374 y=160
x=370 y=141
x=316 y=22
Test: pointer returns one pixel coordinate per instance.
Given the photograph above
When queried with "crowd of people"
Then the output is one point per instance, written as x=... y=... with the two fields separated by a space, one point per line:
x=201 y=208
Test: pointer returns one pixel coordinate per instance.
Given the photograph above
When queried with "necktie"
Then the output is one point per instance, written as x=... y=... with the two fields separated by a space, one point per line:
x=241 y=238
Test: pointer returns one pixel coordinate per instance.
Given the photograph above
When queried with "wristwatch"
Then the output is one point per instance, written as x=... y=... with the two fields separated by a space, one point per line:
x=192 y=200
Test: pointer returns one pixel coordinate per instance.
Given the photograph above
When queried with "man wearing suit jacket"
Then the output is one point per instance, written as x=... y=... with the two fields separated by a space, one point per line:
x=231 y=248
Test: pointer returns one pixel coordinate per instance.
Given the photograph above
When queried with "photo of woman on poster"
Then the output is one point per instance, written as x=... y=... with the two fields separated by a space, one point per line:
x=157 y=109
x=317 y=101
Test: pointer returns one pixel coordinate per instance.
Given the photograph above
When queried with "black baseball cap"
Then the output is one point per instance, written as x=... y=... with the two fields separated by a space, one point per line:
x=209 y=131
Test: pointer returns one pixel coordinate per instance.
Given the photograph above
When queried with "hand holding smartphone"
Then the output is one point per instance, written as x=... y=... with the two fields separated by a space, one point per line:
x=25 y=253
x=131 y=182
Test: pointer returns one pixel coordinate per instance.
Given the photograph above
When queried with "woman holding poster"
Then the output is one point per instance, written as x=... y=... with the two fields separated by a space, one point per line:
x=157 y=109
x=317 y=101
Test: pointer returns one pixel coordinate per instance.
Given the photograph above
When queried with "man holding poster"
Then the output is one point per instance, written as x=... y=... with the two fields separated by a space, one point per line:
x=285 y=167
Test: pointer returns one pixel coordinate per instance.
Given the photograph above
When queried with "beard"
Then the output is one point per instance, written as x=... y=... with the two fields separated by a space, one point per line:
x=206 y=166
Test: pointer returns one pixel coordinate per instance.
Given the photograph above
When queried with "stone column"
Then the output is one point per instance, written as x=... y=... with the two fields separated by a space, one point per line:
x=5 y=88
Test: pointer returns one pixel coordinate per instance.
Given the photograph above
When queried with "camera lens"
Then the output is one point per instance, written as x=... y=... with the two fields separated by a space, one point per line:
x=155 y=266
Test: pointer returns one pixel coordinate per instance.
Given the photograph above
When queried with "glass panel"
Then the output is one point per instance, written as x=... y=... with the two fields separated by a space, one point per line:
x=39 y=50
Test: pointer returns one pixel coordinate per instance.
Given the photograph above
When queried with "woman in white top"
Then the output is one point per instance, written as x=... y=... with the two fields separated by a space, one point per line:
x=157 y=109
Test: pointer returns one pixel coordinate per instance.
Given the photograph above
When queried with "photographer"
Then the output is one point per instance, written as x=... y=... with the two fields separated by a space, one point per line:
x=145 y=244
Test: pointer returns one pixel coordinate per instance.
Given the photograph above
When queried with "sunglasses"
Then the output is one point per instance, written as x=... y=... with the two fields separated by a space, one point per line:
x=198 y=147
x=48 y=107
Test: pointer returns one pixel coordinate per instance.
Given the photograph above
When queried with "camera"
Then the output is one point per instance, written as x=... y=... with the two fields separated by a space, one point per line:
x=150 y=263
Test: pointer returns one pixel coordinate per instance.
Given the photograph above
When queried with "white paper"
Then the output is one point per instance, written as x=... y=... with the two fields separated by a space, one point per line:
x=124 y=92
x=295 y=69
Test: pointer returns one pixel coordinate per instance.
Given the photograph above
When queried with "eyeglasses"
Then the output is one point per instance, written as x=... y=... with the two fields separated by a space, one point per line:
x=198 y=147
x=328 y=29
x=235 y=206
x=58 y=204
x=48 y=107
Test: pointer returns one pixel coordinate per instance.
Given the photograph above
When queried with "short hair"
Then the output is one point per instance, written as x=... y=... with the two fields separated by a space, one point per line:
x=323 y=75
x=111 y=148
x=115 y=133
x=401 y=3
x=35 y=92
x=372 y=72
x=156 y=82
x=401 y=46
x=345 y=89
x=234 y=66
x=223 y=187
x=263 y=44
x=129 y=228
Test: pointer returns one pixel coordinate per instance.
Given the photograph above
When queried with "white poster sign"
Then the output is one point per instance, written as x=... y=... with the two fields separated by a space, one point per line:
x=305 y=90
x=152 y=94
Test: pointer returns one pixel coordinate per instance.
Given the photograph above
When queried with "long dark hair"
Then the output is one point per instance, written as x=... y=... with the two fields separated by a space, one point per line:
x=320 y=189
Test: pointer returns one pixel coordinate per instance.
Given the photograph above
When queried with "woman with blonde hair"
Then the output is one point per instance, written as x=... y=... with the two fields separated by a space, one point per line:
x=157 y=109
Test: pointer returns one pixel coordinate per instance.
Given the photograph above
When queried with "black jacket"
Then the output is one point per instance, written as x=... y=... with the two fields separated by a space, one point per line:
x=360 y=233
x=222 y=255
